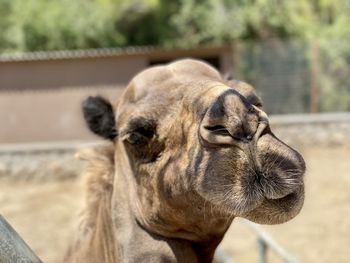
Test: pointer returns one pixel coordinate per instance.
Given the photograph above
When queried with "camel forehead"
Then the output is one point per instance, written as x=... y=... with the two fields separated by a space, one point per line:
x=168 y=81
x=159 y=90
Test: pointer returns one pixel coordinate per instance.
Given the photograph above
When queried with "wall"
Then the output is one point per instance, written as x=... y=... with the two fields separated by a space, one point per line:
x=49 y=115
x=325 y=129
x=41 y=93
x=74 y=72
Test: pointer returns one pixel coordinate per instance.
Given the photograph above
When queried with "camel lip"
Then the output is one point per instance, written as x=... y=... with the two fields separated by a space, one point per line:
x=284 y=204
x=285 y=197
x=293 y=191
x=280 y=210
x=296 y=193
x=289 y=202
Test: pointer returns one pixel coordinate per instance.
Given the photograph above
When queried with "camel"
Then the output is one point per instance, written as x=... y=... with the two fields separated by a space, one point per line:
x=188 y=152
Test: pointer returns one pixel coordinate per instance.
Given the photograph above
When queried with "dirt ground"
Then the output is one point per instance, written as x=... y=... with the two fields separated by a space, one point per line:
x=46 y=214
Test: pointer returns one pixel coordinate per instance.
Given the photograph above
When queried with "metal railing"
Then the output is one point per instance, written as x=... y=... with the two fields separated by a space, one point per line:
x=14 y=249
x=12 y=246
x=265 y=242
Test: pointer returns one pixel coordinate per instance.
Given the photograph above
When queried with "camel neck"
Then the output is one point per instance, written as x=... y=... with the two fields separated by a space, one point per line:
x=136 y=243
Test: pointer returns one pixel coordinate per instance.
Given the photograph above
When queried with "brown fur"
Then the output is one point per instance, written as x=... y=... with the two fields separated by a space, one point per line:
x=94 y=231
x=192 y=152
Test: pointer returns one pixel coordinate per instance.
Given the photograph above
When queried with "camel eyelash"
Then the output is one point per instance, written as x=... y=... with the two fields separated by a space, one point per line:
x=141 y=126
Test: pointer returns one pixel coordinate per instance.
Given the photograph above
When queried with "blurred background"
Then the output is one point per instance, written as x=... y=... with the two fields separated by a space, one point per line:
x=55 y=53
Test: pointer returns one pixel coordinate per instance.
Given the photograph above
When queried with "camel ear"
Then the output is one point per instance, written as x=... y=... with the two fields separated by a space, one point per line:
x=99 y=116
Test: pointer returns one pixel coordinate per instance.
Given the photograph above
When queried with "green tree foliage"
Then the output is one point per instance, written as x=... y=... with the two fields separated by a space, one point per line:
x=5 y=7
x=28 y=25
x=59 y=24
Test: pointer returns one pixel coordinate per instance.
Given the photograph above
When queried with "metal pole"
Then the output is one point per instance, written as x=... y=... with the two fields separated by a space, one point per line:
x=12 y=247
x=221 y=256
x=236 y=59
x=262 y=249
x=314 y=89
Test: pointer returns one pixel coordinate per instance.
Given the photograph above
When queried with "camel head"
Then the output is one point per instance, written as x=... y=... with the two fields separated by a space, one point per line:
x=196 y=151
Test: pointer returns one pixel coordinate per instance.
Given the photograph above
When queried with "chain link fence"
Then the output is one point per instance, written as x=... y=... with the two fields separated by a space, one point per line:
x=295 y=76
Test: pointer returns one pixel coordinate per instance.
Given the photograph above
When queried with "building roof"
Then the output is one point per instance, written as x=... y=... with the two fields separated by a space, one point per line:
x=104 y=52
x=79 y=53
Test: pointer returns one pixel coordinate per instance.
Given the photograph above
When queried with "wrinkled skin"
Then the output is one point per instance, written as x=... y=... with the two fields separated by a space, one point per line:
x=191 y=152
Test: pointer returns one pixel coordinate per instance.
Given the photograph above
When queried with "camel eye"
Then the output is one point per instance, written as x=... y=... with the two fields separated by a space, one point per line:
x=139 y=136
x=141 y=140
x=140 y=131
x=136 y=138
x=219 y=130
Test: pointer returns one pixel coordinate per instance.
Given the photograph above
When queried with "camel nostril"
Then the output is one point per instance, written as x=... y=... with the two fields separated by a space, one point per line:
x=218 y=129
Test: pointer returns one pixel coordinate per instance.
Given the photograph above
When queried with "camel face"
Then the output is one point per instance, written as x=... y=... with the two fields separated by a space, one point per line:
x=197 y=151
x=245 y=169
